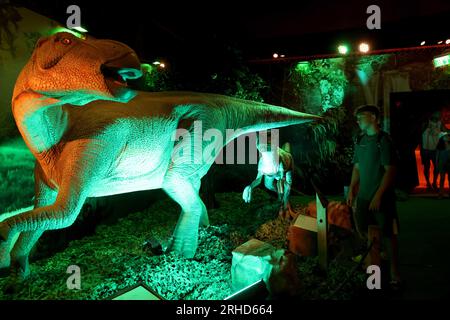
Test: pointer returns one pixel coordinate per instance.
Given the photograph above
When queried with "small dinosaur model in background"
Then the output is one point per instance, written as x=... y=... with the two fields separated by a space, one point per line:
x=93 y=136
x=275 y=166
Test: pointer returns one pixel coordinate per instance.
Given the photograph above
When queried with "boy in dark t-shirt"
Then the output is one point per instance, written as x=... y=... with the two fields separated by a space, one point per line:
x=372 y=183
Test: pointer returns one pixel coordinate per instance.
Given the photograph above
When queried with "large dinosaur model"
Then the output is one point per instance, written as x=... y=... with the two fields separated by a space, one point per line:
x=93 y=136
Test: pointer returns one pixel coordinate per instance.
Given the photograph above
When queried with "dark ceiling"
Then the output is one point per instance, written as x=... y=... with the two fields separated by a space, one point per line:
x=256 y=28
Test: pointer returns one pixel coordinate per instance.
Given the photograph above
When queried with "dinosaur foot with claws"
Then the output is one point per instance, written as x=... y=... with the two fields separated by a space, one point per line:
x=17 y=276
x=183 y=245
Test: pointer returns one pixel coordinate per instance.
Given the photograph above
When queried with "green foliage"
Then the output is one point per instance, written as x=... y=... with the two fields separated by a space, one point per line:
x=327 y=157
x=240 y=83
x=369 y=64
x=440 y=79
x=16 y=176
x=323 y=78
x=156 y=79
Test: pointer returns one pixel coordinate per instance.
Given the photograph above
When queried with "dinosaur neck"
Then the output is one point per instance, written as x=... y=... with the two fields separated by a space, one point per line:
x=42 y=126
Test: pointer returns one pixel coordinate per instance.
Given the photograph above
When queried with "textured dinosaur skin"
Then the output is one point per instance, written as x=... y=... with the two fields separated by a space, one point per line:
x=93 y=137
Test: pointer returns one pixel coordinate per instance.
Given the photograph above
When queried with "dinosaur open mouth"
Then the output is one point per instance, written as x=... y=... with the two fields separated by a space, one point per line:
x=117 y=72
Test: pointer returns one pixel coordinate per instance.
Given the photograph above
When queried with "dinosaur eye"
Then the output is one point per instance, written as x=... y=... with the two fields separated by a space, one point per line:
x=66 y=41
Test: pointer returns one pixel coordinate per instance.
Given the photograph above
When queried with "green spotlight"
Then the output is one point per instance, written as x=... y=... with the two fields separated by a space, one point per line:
x=302 y=66
x=80 y=29
x=343 y=49
x=62 y=29
x=441 y=61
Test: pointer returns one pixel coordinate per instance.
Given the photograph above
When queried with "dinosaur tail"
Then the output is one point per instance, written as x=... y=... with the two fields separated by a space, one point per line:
x=247 y=116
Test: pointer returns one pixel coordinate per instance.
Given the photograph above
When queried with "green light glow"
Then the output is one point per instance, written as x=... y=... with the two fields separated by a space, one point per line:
x=441 y=61
x=302 y=66
x=62 y=29
x=343 y=49
x=147 y=68
x=80 y=29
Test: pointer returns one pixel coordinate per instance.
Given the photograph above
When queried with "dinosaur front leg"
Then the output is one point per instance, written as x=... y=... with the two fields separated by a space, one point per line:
x=19 y=254
x=185 y=193
x=247 y=194
x=59 y=215
x=80 y=168
x=31 y=225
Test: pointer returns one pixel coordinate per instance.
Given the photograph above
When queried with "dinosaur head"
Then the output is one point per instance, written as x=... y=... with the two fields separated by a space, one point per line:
x=80 y=70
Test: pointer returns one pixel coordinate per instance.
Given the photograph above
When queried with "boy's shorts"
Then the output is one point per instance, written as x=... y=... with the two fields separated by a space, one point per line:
x=386 y=218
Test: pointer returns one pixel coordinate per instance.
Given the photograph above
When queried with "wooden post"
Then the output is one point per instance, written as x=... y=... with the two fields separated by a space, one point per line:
x=322 y=228
x=374 y=236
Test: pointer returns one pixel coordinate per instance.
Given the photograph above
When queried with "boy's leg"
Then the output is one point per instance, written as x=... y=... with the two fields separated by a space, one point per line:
x=361 y=217
x=387 y=219
x=395 y=272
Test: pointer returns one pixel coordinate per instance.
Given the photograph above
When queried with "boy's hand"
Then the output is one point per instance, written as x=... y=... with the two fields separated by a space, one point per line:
x=375 y=203
x=350 y=197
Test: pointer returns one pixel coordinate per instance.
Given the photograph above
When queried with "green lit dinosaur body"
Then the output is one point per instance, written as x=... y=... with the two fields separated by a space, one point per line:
x=92 y=136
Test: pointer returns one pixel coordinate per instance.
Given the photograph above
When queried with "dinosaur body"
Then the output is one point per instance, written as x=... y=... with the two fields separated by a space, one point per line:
x=275 y=166
x=92 y=136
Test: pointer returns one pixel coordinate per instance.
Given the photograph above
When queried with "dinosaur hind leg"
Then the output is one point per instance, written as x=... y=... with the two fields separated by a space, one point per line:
x=20 y=250
x=185 y=193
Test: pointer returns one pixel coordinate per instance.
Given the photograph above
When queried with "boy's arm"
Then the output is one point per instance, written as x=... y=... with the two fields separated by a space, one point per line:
x=388 y=179
x=353 y=184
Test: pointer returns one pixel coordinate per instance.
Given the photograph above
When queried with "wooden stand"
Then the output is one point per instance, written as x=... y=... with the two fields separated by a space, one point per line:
x=318 y=225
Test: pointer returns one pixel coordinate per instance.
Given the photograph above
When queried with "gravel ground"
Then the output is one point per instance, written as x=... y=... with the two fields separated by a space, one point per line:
x=115 y=257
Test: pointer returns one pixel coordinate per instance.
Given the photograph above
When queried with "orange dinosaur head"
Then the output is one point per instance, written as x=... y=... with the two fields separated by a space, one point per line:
x=64 y=65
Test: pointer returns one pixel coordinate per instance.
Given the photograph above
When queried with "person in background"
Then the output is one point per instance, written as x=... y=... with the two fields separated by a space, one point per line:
x=443 y=161
x=430 y=138
x=372 y=185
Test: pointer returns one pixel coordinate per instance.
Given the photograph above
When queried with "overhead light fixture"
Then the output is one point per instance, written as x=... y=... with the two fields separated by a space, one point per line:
x=71 y=31
x=275 y=55
x=343 y=49
x=282 y=55
x=422 y=43
x=364 y=47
